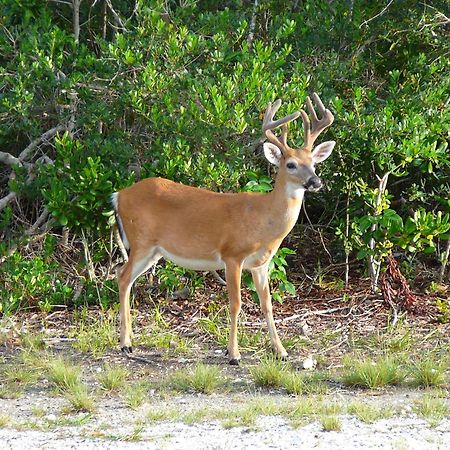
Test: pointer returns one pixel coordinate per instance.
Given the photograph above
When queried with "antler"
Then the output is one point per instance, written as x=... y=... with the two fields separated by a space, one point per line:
x=269 y=124
x=318 y=125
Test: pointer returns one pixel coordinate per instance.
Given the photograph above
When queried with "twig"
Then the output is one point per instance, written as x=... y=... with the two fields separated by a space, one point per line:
x=39 y=221
x=373 y=263
x=218 y=278
x=347 y=252
x=7 y=199
x=44 y=137
x=251 y=32
x=116 y=16
x=87 y=256
x=444 y=261
x=333 y=346
x=377 y=15
x=322 y=312
x=9 y=160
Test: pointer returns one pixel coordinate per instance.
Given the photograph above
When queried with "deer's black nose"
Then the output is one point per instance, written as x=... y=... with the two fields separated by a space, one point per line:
x=314 y=183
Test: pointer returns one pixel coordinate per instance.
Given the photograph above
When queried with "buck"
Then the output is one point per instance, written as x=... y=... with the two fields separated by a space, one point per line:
x=204 y=230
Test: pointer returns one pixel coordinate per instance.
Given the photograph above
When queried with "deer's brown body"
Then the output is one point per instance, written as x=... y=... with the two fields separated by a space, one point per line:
x=203 y=230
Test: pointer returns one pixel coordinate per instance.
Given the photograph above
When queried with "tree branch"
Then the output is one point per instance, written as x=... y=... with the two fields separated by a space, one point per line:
x=251 y=32
x=44 y=137
x=377 y=15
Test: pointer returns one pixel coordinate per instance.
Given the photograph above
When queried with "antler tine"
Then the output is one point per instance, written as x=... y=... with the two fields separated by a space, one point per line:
x=313 y=130
x=284 y=133
x=269 y=124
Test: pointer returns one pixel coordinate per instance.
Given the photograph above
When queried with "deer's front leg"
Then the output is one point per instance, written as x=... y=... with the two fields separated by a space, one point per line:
x=125 y=283
x=261 y=280
x=233 y=275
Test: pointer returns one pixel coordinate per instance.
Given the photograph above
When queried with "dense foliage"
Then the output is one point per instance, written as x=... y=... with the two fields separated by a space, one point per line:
x=177 y=89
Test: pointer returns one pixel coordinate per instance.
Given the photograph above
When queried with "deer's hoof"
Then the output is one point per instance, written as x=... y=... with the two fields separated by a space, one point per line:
x=234 y=361
x=127 y=350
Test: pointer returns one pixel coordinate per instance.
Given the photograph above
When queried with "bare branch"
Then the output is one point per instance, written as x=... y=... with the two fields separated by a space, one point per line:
x=9 y=160
x=44 y=137
x=445 y=257
x=5 y=201
x=39 y=221
x=251 y=31
x=375 y=263
x=76 y=20
x=377 y=15
x=116 y=16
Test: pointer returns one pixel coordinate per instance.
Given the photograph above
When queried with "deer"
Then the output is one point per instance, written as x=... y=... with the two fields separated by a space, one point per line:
x=204 y=230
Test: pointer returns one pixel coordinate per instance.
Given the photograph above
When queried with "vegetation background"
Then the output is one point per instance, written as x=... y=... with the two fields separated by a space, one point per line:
x=95 y=94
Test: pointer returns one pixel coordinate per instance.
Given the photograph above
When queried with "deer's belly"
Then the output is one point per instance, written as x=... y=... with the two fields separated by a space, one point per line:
x=258 y=258
x=215 y=263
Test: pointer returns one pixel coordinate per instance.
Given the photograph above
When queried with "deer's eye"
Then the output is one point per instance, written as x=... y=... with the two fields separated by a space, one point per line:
x=290 y=165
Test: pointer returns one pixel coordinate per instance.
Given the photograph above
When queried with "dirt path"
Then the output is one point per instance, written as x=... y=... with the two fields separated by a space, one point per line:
x=238 y=415
x=116 y=426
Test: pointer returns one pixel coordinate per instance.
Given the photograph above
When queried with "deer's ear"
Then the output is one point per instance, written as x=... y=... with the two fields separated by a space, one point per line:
x=322 y=151
x=272 y=153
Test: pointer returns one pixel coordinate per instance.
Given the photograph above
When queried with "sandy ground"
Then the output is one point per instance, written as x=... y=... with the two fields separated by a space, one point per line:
x=116 y=426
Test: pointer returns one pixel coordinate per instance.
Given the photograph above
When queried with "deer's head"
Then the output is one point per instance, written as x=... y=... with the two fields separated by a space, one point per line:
x=298 y=165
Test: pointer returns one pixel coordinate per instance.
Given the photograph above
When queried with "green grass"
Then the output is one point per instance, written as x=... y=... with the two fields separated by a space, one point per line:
x=80 y=399
x=96 y=336
x=38 y=411
x=294 y=383
x=331 y=423
x=165 y=414
x=372 y=373
x=112 y=378
x=269 y=373
x=368 y=413
x=217 y=326
x=21 y=375
x=429 y=372
x=307 y=409
x=200 y=378
x=4 y=420
x=10 y=391
x=273 y=373
x=433 y=408
x=135 y=394
x=63 y=374
x=165 y=339
x=33 y=341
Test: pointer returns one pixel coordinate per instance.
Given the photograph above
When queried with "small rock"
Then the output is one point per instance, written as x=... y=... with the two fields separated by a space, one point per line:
x=304 y=329
x=309 y=363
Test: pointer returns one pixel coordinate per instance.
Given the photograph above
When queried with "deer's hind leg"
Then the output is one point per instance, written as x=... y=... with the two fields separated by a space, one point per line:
x=138 y=263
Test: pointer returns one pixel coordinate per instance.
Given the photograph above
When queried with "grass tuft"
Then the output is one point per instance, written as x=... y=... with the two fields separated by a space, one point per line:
x=432 y=408
x=368 y=413
x=96 y=336
x=135 y=394
x=21 y=375
x=331 y=423
x=429 y=372
x=294 y=383
x=270 y=373
x=80 y=398
x=369 y=373
x=63 y=374
x=202 y=378
x=112 y=378
x=4 y=420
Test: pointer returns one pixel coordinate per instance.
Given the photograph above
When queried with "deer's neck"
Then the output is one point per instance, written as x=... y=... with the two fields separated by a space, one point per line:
x=286 y=201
